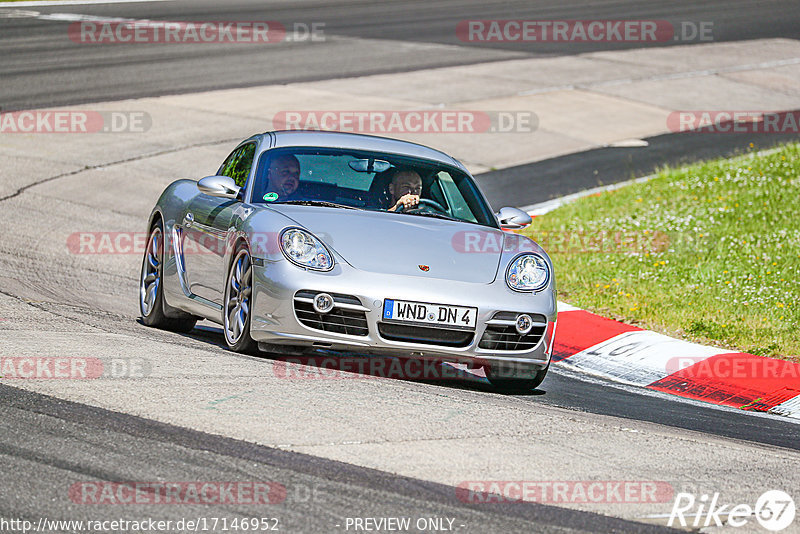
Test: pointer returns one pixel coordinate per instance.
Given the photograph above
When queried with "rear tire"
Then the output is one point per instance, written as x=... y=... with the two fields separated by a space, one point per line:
x=237 y=309
x=505 y=380
x=151 y=287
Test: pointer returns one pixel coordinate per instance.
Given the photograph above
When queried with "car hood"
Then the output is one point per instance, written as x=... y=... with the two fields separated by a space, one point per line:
x=403 y=244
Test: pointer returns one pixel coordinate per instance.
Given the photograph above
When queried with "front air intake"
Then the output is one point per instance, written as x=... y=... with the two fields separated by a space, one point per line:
x=347 y=316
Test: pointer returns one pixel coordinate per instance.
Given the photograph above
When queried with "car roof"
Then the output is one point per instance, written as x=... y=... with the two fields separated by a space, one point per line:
x=328 y=139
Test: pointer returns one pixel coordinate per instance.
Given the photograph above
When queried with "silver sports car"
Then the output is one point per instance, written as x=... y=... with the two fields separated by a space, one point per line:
x=322 y=241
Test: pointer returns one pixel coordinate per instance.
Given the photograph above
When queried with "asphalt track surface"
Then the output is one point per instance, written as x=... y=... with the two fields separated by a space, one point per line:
x=528 y=184
x=40 y=66
x=45 y=440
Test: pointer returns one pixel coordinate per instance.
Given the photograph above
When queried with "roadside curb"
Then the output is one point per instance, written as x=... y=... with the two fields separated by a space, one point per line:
x=596 y=345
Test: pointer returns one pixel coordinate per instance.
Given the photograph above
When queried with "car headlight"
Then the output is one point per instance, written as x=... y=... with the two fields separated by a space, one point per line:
x=528 y=272
x=305 y=250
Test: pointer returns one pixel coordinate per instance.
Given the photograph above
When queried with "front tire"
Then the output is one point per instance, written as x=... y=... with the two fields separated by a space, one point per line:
x=237 y=310
x=507 y=380
x=151 y=286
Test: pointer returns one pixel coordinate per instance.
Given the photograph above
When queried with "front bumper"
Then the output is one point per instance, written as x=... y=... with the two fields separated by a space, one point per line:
x=275 y=322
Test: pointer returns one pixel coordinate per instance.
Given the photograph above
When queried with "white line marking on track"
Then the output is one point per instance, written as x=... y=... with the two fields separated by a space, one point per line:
x=564 y=307
x=789 y=408
x=629 y=143
x=75 y=17
x=44 y=3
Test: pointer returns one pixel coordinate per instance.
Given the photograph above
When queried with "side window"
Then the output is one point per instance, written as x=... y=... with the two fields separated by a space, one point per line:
x=239 y=163
x=227 y=165
x=458 y=205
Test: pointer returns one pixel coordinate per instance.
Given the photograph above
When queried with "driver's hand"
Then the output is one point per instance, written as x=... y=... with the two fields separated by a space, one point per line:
x=408 y=201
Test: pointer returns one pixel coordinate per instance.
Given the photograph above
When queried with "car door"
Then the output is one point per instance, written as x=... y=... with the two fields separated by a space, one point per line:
x=207 y=221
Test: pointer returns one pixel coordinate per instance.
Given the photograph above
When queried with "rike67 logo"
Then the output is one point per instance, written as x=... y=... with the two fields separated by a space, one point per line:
x=774 y=510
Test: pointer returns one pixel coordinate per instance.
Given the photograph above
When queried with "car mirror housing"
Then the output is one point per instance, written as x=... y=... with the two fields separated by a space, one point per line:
x=219 y=186
x=513 y=218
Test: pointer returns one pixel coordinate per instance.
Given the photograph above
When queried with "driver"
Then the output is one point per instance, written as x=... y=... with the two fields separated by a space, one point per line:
x=283 y=176
x=405 y=188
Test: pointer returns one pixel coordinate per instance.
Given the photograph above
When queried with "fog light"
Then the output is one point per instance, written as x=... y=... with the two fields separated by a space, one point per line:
x=323 y=303
x=524 y=324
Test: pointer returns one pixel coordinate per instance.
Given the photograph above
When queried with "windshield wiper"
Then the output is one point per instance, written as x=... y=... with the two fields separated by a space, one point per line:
x=323 y=203
x=432 y=214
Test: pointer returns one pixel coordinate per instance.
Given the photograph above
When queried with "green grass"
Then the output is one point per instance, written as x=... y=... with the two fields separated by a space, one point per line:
x=709 y=253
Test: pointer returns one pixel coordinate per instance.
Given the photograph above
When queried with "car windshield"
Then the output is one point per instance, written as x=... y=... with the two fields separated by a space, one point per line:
x=369 y=181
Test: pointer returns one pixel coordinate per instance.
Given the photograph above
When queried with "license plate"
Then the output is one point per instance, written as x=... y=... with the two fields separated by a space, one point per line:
x=429 y=314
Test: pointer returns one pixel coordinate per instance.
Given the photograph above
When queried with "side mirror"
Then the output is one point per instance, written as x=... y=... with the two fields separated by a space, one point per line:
x=219 y=186
x=513 y=219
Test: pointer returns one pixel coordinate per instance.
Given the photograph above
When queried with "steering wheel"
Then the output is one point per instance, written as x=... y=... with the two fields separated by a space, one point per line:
x=423 y=203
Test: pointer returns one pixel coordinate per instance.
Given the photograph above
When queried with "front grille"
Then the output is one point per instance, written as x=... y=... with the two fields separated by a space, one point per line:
x=505 y=336
x=339 y=320
x=425 y=334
